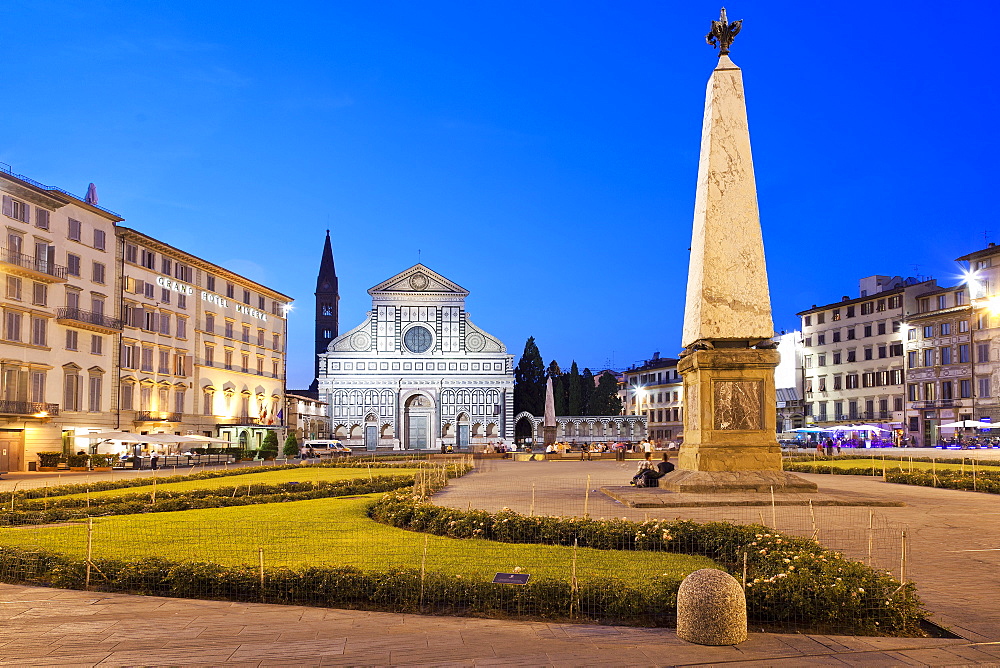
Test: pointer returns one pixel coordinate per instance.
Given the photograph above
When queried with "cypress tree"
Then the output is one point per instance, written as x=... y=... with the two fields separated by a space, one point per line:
x=605 y=399
x=529 y=381
x=586 y=391
x=574 y=393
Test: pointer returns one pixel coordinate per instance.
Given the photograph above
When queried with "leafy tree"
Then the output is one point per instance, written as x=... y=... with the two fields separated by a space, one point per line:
x=529 y=381
x=291 y=446
x=605 y=400
x=269 y=448
x=574 y=393
x=586 y=391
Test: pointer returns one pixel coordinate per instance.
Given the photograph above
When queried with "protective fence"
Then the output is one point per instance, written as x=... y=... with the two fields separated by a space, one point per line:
x=501 y=540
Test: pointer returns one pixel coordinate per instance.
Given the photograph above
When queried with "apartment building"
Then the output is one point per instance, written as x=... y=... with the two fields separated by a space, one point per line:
x=939 y=361
x=60 y=326
x=306 y=417
x=983 y=283
x=655 y=390
x=853 y=364
x=203 y=348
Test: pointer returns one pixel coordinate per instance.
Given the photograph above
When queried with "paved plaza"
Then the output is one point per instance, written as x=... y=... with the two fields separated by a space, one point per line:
x=954 y=548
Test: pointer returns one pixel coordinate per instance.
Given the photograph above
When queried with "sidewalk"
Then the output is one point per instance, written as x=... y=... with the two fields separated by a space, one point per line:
x=59 y=627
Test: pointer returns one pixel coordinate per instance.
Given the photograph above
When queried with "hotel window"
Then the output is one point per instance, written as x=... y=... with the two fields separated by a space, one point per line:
x=127 y=396
x=210 y=283
x=822 y=383
x=94 y=393
x=821 y=339
x=274 y=368
x=210 y=323
x=74 y=229
x=96 y=344
x=164 y=295
x=182 y=301
x=229 y=359
x=942 y=301
x=820 y=318
x=165 y=324
x=72 y=339
x=260 y=366
x=246 y=334
x=850 y=311
x=99 y=272
x=880 y=306
x=851 y=381
x=246 y=297
x=821 y=360
x=836 y=336
x=161 y=398
x=836 y=358
x=882 y=352
x=41 y=218
x=15 y=209
x=868 y=330
x=99 y=239
x=868 y=352
x=206 y=403
x=145 y=397
x=179 y=401
x=838 y=384
x=245 y=363
x=806 y=321
x=209 y=355
x=230 y=290
x=959 y=298
x=39 y=294
x=72 y=264
x=260 y=303
x=965 y=389
x=71 y=390
x=867 y=308
x=895 y=301
x=165 y=266
x=147 y=290
x=946 y=389
x=963 y=353
x=946 y=355
x=39 y=333
x=147 y=360
x=13 y=288
x=984 y=387
x=229 y=329
x=945 y=328
x=912 y=392
x=928 y=331
x=963 y=326
x=911 y=358
x=164 y=359
x=181 y=328
x=929 y=392
x=147 y=259
x=131 y=253
x=852 y=356
x=929 y=357
x=850 y=334
x=277 y=342
x=881 y=328
x=260 y=337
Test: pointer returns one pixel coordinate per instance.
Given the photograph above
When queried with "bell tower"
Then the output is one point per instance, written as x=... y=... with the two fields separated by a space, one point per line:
x=327 y=307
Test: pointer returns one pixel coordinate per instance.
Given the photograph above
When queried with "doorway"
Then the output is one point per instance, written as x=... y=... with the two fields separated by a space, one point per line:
x=10 y=454
x=371 y=437
x=417 y=419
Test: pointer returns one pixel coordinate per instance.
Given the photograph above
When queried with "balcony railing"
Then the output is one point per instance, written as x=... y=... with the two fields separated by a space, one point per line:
x=244 y=420
x=216 y=364
x=35 y=265
x=157 y=416
x=26 y=408
x=97 y=320
x=7 y=169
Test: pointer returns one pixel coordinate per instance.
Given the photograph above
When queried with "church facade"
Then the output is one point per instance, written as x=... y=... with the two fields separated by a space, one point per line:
x=417 y=374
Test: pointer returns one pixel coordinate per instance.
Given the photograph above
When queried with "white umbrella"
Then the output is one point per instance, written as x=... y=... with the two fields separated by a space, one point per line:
x=125 y=436
x=968 y=424
x=809 y=430
x=207 y=439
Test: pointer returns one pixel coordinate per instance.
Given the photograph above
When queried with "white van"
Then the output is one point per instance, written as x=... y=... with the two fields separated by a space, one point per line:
x=321 y=447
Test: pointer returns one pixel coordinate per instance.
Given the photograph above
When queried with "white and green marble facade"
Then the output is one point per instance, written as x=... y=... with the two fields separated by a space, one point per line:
x=417 y=374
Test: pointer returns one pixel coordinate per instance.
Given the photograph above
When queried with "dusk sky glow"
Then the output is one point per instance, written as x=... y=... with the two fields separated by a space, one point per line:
x=541 y=155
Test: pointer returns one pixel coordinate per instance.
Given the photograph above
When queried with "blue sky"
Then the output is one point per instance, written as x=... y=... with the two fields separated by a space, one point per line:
x=541 y=154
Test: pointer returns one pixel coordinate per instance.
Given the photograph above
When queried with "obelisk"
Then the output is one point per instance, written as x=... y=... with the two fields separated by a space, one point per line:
x=549 y=421
x=728 y=360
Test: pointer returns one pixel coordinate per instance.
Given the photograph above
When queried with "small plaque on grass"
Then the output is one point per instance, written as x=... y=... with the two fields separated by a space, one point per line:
x=511 y=578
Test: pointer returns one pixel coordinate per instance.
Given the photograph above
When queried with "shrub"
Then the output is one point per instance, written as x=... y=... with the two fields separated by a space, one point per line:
x=291 y=446
x=101 y=460
x=49 y=459
x=78 y=460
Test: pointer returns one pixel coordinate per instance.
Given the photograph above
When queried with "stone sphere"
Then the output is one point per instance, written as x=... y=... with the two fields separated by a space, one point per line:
x=711 y=609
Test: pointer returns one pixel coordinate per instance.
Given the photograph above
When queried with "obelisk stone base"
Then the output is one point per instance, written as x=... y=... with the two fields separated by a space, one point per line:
x=730 y=443
x=548 y=435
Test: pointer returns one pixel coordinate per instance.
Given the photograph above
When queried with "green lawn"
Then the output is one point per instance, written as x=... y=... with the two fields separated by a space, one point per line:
x=333 y=531
x=894 y=464
x=304 y=475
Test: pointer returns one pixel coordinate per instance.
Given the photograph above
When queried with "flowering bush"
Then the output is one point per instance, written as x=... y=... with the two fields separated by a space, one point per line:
x=791 y=581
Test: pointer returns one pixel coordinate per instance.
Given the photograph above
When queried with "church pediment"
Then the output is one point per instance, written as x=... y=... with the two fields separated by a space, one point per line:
x=417 y=280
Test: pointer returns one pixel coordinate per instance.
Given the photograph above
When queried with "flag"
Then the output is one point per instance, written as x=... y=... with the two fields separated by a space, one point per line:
x=281 y=416
x=263 y=413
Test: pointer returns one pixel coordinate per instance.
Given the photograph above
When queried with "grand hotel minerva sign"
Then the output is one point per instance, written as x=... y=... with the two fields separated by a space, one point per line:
x=170 y=284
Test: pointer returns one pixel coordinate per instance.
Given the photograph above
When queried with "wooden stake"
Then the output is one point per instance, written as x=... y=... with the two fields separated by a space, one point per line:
x=90 y=548
x=532 y=511
x=774 y=516
x=260 y=553
x=586 y=499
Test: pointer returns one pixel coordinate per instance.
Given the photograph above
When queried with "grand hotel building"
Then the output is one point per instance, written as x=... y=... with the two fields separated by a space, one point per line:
x=106 y=328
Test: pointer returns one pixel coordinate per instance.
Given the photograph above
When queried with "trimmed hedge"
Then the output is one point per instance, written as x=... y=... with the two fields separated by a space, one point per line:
x=790 y=581
x=987 y=481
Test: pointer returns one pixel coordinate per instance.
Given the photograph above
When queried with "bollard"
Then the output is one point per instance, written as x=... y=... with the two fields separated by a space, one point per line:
x=711 y=609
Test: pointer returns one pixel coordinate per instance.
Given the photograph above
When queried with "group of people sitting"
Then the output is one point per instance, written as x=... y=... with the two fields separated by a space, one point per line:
x=649 y=474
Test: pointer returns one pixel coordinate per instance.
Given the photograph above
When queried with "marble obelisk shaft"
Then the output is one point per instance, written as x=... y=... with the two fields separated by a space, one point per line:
x=549 y=422
x=727 y=294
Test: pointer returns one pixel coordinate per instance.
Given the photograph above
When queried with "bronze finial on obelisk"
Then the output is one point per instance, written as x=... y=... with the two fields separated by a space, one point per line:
x=728 y=361
x=723 y=33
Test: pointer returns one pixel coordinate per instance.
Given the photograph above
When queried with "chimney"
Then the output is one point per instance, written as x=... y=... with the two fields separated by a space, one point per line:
x=656 y=356
x=845 y=298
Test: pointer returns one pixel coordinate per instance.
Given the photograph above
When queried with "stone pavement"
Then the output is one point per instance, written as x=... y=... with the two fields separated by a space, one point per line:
x=41 y=627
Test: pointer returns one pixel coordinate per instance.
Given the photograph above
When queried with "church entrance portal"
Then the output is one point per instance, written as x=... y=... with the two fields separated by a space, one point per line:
x=417 y=418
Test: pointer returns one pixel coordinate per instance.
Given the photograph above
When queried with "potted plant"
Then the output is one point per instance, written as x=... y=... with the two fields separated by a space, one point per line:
x=49 y=461
x=269 y=448
x=100 y=462
x=291 y=447
x=78 y=462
